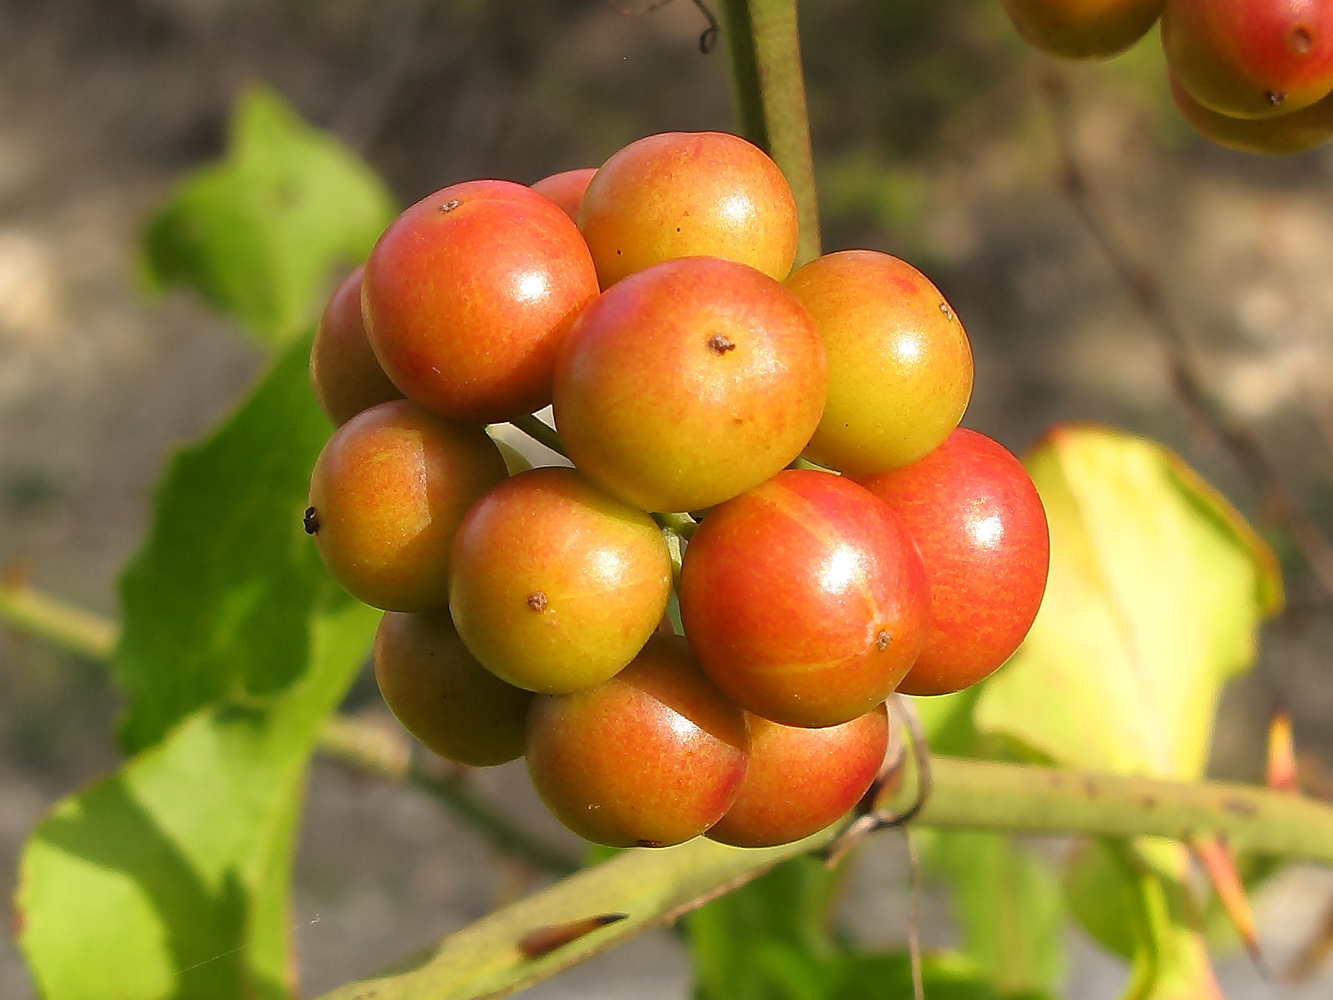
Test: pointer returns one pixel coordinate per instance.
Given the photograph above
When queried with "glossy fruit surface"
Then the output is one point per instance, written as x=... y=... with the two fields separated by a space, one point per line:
x=652 y=757
x=555 y=586
x=1297 y=132
x=566 y=188
x=805 y=599
x=800 y=780
x=982 y=532
x=688 y=383
x=443 y=696
x=346 y=376
x=467 y=295
x=386 y=495
x=1083 y=29
x=1251 y=58
x=899 y=362
x=689 y=194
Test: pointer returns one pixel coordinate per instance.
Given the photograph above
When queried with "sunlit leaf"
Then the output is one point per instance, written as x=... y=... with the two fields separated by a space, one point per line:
x=1007 y=903
x=217 y=602
x=170 y=878
x=261 y=234
x=1156 y=591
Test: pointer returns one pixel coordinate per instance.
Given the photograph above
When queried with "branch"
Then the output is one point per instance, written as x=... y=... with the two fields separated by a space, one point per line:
x=654 y=887
x=1186 y=375
x=359 y=744
x=60 y=624
x=769 y=95
x=386 y=754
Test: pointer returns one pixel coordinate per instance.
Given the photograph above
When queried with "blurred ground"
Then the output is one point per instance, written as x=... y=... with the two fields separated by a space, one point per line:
x=932 y=144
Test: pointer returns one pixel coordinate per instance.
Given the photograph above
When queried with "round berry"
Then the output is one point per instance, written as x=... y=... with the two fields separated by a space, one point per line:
x=652 y=757
x=689 y=194
x=344 y=372
x=899 y=362
x=688 y=383
x=800 y=780
x=805 y=599
x=555 y=586
x=386 y=495
x=443 y=696
x=467 y=295
x=981 y=529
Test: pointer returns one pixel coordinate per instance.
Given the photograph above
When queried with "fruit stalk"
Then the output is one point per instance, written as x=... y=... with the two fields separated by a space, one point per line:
x=769 y=93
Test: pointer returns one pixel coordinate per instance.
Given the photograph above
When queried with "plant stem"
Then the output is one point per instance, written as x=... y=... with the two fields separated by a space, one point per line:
x=682 y=524
x=769 y=94
x=371 y=750
x=60 y=624
x=654 y=887
x=351 y=741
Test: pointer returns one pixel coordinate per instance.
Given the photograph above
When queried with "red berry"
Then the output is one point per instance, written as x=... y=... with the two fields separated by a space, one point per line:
x=982 y=532
x=467 y=295
x=805 y=599
x=652 y=757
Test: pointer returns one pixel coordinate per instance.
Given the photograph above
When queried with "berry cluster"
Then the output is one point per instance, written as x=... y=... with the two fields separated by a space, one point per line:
x=650 y=302
x=1252 y=75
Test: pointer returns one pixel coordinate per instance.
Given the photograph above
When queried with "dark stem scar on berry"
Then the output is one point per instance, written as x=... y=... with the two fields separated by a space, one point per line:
x=450 y=205
x=545 y=940
x=721 y=344
x=882 y=640
x=537 y=601
x=1276 y=97
x=944 y=308
x=310 y=520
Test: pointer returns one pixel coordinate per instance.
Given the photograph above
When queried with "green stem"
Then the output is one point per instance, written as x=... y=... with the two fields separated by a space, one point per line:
x=654 y=887
x=61 y=624
x=353 y=742
x=540 y=432
x=769 y=93
x=682 y=524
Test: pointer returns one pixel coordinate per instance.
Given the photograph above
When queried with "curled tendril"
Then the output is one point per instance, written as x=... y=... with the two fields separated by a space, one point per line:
x=891 y=771
x=707 y=39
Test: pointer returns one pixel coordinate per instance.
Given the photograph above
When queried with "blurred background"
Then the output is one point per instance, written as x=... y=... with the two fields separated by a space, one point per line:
x=933 y=142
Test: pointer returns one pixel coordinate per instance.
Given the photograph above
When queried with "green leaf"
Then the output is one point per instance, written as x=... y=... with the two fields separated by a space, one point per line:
x=217 y=603
x=768 y=939
x=888 y=976
x=1007 y=904
x=259 y=234
x=170 y=879
x=1156 y=591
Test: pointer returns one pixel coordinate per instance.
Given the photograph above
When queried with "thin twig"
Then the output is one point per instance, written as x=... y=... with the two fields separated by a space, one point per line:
x=373 y=750
x=874 y=816
x=366 y=747
x=683 y=525
x=914 y=923
x=1278 y=504
x=57 y=622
